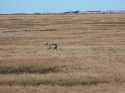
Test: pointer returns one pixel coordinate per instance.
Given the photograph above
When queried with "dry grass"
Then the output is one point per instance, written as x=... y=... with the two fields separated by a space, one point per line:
x=90 y=55
x=61 y=79
x=103 y=88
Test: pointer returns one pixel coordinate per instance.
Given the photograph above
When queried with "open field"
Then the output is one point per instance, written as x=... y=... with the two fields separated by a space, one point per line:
x=90 y=56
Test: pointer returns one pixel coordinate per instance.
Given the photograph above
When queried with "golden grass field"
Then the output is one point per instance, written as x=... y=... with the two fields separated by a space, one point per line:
x=90 y=57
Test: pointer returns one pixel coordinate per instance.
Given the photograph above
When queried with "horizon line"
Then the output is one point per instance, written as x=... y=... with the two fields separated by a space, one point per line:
x=80 y=11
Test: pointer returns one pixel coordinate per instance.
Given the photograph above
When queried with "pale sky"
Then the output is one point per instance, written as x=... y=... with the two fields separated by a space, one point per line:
x=29 y=6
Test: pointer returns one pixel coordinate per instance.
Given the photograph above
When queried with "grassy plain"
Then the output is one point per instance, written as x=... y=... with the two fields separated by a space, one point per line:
x=90 y=56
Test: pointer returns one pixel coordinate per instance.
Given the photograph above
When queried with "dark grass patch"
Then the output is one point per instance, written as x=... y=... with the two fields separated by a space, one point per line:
x=33 y=82
x=26 y=69
x=41 y=30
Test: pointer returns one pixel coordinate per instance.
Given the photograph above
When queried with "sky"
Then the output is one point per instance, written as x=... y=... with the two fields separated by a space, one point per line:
x=44 y=6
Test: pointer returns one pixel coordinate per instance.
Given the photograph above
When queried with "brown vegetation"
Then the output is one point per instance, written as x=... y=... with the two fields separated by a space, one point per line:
x=67 y=53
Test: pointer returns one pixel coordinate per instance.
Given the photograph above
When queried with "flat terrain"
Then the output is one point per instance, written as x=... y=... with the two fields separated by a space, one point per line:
x=89 y=58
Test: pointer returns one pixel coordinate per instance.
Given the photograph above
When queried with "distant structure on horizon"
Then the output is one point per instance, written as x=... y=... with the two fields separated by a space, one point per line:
x=95 y=12
x=73 y=12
